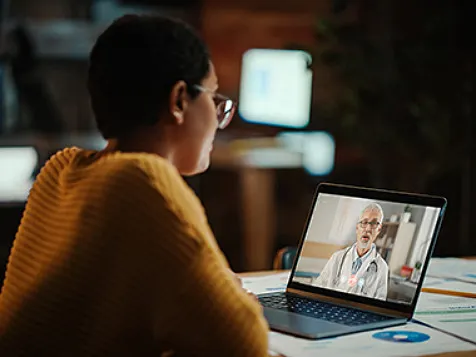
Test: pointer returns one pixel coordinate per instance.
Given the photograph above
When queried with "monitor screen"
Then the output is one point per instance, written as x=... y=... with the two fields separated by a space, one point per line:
x=276 y=88
x=370 y=248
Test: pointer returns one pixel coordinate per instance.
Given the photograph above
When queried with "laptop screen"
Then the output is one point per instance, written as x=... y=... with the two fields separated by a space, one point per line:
x=366 y=247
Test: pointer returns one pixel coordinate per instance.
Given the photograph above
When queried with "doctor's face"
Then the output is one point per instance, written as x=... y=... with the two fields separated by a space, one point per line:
x=368 y=228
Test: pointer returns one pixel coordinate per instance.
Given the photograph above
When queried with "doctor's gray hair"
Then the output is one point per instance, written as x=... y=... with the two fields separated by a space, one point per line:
x=374 y=207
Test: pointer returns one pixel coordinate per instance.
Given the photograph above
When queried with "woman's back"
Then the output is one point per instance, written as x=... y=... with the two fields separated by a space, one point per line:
x=108 y=255
x=114 y=255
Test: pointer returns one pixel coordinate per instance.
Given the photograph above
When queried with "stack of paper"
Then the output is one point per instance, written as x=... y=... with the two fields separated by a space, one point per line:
x=266 y=284
x=451 y=314
x=365 y=344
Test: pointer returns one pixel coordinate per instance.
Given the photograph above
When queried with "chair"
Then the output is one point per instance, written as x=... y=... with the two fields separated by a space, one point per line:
x=284 y=258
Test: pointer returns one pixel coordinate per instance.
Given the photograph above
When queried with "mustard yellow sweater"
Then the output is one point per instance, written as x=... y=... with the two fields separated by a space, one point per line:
x=114 y=257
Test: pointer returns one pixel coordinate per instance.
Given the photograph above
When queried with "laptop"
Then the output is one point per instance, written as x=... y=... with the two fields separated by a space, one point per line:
x=360 y=263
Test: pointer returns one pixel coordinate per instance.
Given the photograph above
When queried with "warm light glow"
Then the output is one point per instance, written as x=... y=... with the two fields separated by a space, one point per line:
x=317 y=149
x=17 y=165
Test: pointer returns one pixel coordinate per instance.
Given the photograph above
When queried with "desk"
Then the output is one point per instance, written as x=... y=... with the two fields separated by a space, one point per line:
x=447 y=354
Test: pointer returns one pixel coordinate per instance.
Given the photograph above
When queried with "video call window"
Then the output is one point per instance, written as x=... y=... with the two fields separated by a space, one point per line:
x=371 y=248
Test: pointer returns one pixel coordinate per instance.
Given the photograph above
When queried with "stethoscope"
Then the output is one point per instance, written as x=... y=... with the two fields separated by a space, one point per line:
x=372 y=268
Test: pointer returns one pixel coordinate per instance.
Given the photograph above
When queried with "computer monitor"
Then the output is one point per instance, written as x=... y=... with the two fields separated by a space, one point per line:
x=276 y=88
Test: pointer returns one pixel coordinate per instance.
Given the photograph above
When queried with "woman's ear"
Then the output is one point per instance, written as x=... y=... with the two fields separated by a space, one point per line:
x=178 y=101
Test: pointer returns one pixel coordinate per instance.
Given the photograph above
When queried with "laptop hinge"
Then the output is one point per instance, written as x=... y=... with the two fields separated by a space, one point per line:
x=345 y=302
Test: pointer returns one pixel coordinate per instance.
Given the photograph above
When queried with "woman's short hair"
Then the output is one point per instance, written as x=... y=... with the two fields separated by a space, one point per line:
x=133 y=66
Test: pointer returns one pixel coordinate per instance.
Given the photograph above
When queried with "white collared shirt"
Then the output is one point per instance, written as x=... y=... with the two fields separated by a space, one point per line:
x=355 y=255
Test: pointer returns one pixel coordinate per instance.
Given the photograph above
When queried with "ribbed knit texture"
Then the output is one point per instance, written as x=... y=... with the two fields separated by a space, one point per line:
x=114 y=257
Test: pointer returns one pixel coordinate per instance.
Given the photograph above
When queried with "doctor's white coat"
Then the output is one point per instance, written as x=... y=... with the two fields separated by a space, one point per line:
x=369 y=282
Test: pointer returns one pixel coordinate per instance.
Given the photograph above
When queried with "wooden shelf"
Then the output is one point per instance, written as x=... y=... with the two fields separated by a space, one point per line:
x=391 y=224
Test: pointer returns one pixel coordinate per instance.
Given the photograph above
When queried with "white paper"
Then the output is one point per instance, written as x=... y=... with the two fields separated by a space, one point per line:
x=363 y=344
x=458 y=323
x=429 y=281
x=266 y=284
x=463 y=269
x=455 y=285
x=437 y=303
x=443 y=304
x=452 y=314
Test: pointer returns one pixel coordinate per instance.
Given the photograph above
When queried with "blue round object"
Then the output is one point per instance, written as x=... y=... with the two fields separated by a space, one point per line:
x=401 y=336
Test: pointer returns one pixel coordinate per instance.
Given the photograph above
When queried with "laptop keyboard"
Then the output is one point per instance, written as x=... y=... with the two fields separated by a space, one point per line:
x=321 y=310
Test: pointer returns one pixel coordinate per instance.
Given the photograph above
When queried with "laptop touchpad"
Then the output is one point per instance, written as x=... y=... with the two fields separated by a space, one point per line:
x=292 y=322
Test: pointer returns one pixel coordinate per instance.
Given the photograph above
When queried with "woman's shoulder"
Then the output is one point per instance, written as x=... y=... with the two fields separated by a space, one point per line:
x=143 y=169
x=133 y=178
x=139 y=165
x=153 y=184
x=144 y=173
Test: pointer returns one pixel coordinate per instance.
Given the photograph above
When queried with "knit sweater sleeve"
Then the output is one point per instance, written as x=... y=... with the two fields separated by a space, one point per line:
x=205 y=311
x=213 y=315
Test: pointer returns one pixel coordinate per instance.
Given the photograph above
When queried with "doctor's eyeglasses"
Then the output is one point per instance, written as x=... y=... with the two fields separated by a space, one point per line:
x=373 y=224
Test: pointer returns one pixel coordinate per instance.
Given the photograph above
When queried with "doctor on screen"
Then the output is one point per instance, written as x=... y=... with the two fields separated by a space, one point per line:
x=359 y=269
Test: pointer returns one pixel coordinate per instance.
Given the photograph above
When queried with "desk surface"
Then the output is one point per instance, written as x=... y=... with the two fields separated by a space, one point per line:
x=447 y=354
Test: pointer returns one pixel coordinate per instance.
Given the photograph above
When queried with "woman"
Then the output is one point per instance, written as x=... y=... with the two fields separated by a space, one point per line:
x=114 y=256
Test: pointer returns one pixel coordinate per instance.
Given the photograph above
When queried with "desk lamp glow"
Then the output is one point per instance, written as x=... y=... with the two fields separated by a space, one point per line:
x=316 y=147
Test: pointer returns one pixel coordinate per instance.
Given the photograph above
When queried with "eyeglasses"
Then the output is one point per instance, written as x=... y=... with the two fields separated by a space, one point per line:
x=373 y=224
x=225 y=106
